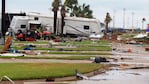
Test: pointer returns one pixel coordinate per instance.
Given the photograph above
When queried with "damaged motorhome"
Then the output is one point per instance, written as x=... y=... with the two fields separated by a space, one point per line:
x=73 y=25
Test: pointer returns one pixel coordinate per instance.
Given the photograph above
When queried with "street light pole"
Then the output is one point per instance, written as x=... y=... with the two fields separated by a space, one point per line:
x=128 y=22
x=124 y=18
x=2 y=33
x=132 y=20
x=114 y=18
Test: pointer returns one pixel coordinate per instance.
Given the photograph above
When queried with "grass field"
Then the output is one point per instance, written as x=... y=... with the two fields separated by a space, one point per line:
x=19 y=71
x=52 y=57
x=80 y=46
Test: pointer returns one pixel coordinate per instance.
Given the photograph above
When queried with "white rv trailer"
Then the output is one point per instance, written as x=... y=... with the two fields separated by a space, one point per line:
x=73 y=25
x=26 y=22
x=81 y=26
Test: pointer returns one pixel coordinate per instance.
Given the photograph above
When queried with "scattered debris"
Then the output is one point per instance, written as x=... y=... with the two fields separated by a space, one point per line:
x=83 y=77
x=100 y=59
x=123 y=58
x=12 y=54
x=80 y=76
x=129 y=50
x=115 y=60
x=95 y=36
x=132 y=42
x=127 y=66
x=146 y=49
x=114 y=49
x=29 y=47
x=135 y=73
x=31 y=52
x=6 y=77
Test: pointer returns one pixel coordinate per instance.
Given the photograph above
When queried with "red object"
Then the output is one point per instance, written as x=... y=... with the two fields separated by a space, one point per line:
x=147 y=26
x=38 y=34
x=129 y=50
x=30 y=39
x=20 y=35
x=46 y=33
x=57 y=40
x=50 y=83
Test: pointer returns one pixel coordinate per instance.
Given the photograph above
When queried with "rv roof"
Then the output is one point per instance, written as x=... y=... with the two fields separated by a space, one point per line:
x=80 y=18
x=20 y=17
x=72 y=18
x=39 y=15
x=34 y=22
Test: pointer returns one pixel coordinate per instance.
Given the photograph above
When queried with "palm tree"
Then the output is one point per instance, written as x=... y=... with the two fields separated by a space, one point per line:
x=107 y=21
x=86 y=11
x=70 y=4
x=62 y=19
x=55 y=5
x=78 y=10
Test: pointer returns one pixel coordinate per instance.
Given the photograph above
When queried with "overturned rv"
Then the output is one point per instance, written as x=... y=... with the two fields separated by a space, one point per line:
x=73 y=25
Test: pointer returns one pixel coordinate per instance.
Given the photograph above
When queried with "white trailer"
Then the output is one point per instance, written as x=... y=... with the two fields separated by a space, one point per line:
x=19 y=23
x=73 y=25
x=28 y=22
x=81 y=26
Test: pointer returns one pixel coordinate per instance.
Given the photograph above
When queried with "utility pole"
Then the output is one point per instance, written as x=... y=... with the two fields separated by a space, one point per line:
x=128 y=22
x=132 y=20
x=114 y=11
x=124 y=17
x=2 y=33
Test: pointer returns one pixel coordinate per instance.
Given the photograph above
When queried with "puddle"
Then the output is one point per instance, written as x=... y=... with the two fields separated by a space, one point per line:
x=137 y=76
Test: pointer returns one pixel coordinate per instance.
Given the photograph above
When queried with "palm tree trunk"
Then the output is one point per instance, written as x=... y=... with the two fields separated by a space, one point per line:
x=62 y=26
x=106 y=30
x=55 y=22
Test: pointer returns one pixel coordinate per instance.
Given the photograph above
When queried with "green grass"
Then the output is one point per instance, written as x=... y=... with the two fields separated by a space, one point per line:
x=85 y=48
x=86 y=45
x=31 y=42
x=19 y=71
x=85 y=42
x=46 y=57
x=82 y=48
x=127 y=36
x=91 y=48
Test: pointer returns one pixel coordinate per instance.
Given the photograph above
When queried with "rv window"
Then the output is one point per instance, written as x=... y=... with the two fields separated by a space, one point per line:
x=36 y=18
x=23 y=26
x=86 y=27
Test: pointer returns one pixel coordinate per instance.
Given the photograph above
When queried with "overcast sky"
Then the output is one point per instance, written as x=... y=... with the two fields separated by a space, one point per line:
x=140 y=8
